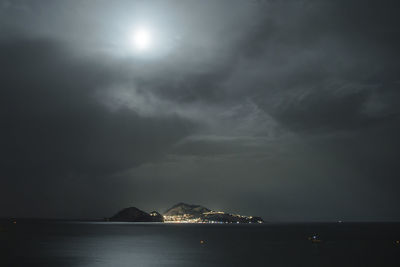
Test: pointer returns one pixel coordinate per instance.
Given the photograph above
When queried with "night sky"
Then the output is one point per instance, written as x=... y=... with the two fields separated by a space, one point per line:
x=287 y=110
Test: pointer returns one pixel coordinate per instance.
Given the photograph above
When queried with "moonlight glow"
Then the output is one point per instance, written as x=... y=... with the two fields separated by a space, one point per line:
x=142 y=39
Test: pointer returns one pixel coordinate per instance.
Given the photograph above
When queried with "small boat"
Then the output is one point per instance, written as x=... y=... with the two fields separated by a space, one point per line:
x=315 y=239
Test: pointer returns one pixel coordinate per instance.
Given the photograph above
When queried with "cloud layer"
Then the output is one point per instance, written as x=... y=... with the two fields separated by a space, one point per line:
x=284 y=109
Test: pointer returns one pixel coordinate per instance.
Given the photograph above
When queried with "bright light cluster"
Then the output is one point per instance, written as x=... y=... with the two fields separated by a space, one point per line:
x=204 y=218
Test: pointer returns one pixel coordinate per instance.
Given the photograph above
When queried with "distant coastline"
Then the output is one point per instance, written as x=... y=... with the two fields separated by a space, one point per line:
x=183 y=213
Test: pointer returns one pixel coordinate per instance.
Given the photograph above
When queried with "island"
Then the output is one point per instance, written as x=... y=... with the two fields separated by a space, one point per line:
x=183 y=213
x=133 y=214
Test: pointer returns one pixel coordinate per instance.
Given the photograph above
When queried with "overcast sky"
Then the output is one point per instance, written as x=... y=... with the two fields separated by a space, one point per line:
x=284 y=109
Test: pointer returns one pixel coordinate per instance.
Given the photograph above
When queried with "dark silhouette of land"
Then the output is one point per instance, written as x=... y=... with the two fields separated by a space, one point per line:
x=183 y=212
x=133 y=214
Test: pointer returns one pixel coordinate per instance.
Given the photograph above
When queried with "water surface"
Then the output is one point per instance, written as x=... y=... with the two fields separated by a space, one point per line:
x=62 y=243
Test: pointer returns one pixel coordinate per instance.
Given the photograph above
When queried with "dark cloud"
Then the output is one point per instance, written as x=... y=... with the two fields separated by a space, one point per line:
x=287 y=109
x=53 y=127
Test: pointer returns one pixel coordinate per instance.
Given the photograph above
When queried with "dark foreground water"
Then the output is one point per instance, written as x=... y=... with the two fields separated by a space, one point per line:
x=50 y=243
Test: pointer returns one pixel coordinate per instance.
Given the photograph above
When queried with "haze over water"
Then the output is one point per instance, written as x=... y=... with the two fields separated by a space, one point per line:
x=58 y=243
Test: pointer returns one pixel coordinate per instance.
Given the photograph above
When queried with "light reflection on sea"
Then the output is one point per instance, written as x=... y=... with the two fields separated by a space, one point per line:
x=50 y=243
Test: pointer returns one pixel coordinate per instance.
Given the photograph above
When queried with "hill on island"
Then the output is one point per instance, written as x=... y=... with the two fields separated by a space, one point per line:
x=183 y=208
x=133 y=214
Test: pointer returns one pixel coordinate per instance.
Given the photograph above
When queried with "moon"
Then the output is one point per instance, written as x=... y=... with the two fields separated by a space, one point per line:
x=142 y=39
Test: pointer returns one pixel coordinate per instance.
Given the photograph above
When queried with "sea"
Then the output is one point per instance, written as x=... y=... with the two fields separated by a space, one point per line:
x=83 y=243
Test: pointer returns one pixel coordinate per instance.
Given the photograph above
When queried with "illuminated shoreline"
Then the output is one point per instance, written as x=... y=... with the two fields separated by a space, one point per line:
x=211 y=217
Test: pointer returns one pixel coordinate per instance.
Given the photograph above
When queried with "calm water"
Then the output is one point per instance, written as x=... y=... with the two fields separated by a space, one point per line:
x=50 y=243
